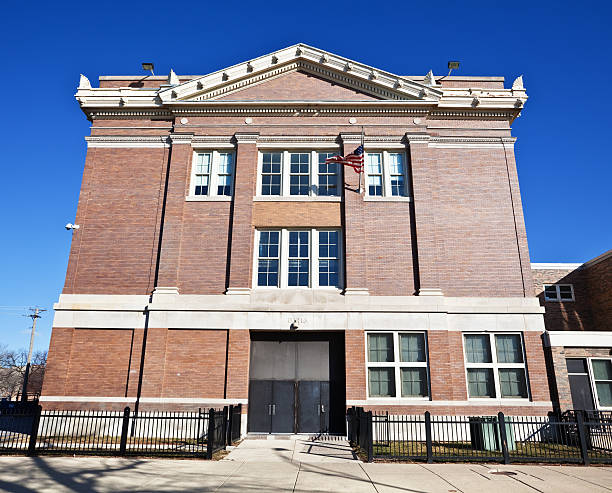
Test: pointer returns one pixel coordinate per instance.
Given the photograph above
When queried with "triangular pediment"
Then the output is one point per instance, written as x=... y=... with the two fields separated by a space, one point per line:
x=310 y=71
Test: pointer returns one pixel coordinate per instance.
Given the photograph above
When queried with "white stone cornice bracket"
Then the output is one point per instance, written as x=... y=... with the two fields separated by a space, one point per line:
x=247 y=138
x=181 y=138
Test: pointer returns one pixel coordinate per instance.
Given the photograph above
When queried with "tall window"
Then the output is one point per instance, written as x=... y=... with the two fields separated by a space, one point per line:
x=375 y=174
x=202 y=173
x=212 y=174
x=396 y=172
x=224 y=185
x=271 y=173
x=299 y=179
x=298 y=258
x=329 y=253
x=298 y=174
x=386 y=174
x=602 y=378
x=495 y=373
x=268 y=259
x=328 y=175
x=397 y=365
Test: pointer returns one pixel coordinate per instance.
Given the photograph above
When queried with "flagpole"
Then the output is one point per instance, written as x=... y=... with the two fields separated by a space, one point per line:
x=363 y=165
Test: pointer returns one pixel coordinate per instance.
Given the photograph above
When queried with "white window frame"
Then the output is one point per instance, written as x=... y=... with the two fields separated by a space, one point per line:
x=286 y=175
x=213 y=180
x=397 y=365
x=284 y=259
x=387 y=193
x=592 y=380
x=495 y=366
x=558 y=290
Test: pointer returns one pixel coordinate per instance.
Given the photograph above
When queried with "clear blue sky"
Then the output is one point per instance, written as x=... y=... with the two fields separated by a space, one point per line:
x=563 y=150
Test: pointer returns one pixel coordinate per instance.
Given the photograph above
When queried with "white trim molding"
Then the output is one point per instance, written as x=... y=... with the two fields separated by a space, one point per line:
x=148 y=141
x=578 y=339
x=555 y=266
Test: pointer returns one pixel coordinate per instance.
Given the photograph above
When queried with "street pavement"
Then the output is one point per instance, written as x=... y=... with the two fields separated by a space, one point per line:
x=290 y=465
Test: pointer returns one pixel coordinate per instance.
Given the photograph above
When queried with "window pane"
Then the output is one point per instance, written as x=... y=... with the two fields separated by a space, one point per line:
x=373 y=164
x=512 y=382
x=575 y=365
x=412 y=347
x=414 y=382
x=380 y=348
x=509 y=348
x=381 y=382
x=396 y=171
x=477 y=349
x=604 y=393
x=267 y=274
x=551 y=292
x=480 y=382
x=565 y=292
x=602 y=369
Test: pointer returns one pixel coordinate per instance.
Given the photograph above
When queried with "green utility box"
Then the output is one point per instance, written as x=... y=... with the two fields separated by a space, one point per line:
x=485 y=433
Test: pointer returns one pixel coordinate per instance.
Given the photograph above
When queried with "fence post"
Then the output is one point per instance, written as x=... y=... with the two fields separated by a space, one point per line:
x=370 y=436
x=501 y=421
x=34 y=431
x=582 y=436
x=211 y=433
x=228 y=429
x=226 y=422
x=428 y=441
x=124 y=430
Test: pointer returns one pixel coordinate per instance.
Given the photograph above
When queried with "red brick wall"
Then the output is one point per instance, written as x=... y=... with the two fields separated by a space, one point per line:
x=194 y=363
x=565 y=315
x=354 y=343
x=297 y=85
x=114 y=250
x=238 y=364
x=599 y=277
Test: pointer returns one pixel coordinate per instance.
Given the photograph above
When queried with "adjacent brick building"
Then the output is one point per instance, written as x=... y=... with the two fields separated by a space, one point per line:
x=221 y=260
x=578 y=318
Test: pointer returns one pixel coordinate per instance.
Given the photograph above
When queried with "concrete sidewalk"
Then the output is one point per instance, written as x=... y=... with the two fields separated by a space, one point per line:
x=98 y=474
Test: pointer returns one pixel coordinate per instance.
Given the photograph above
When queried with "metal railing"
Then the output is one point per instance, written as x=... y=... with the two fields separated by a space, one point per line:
x=193 y=434
x=571 y=438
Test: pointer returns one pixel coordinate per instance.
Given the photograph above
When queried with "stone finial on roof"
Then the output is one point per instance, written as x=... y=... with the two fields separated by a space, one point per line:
x=518 y=83
x=173 y=79
x=84 y=83
x=430 y=80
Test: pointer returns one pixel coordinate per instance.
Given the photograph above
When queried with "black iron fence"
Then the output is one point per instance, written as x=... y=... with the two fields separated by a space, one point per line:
x=193 y=434
x=578 y=437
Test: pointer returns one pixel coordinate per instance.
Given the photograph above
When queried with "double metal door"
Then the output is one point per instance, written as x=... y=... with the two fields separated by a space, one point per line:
x=288 y=406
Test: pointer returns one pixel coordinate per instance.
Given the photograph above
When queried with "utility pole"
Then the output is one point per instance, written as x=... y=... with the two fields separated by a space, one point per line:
x=34 y=316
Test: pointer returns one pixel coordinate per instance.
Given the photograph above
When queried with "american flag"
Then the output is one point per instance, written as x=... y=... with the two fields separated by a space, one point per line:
x=354 y=160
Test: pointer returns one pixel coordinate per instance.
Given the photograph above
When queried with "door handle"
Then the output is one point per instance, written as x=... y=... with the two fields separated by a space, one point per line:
x=322 y=408
x=273 y=409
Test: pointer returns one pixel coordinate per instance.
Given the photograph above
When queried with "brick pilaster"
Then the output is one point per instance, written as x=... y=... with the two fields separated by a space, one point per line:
x=178 y=181
x=424 y=174
x=355 y=274
x=245 y=181
x=354 y=347
x=238 y=364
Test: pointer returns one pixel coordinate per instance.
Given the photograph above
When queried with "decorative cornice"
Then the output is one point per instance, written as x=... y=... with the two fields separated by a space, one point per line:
x=417 y=138
x=213 y=141
x=128 y=141
x=247 y=138
x=306 y=139
x=181 y=138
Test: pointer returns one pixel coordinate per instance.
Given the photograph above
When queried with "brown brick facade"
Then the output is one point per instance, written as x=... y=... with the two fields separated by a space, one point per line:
x=182 y=261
